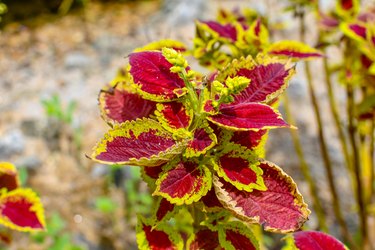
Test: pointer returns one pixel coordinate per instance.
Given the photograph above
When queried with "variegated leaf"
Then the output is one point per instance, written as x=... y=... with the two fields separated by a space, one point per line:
x=248 y=116
x=203 y=140
x=186 y=182
x=280 y=208
x=293 y=49
x=227 y=31
x=211 y=202
x=143 y=142
x=164 y=43
x=235 y=235
x=8 y=176
x=268 y=76
x=174 y=115
x=241 y=170
x=313 y=240
x=22 y=210
x=161 y=237
x=151 y=72
x=119 y=104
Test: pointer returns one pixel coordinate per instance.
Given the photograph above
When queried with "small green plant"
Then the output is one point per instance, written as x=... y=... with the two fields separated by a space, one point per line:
x=54 y=108
x=55 y=235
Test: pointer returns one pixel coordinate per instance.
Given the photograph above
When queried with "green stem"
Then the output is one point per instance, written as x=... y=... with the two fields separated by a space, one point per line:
x=352 y=130
x=322 y=142
x=305 y=168
x=335 y=113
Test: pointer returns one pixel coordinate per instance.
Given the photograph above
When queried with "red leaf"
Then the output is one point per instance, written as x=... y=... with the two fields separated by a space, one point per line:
x=312 y=240
x=346 y=4
x=226 y=31
x=8 y=176
x=235 y=235
x=160 y=238
x=153 y=172
x=119 y=105
x=174 y=115
x=22 y=210
x=202 y=141
x=266 y=81
x=358 y=29
x=294 y=49
x=280 y=208
x=205 y=239
x=185 y=183
x=249 y=139
x=240 y=172
x=140 y=143
x=211 y=202
x=163 y=209
x=151 y=71
x=248 y=116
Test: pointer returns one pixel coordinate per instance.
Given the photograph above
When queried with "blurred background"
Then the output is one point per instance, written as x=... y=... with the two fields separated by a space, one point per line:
x=56 y=55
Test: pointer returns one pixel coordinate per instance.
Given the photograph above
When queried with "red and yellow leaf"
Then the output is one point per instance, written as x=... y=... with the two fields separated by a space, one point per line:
x=164 y=43
x=248 y=116
x=293 y=49
x=22 y=210
x=186 y=182
x=151 y=174
x=204 y=139
x=143 y=142
x=161 y=237
x=235 y=235
x=174 y=115
x=8 y=176
x=204 y=239
x=250 y=139
x=355 y=30
x=258 y=33
x=313 y=240
x=151 y=72
x=268 y=76
x=280 y=208
x=347 y=8
x=241 y=171
x=226 y=31
x=118 y=105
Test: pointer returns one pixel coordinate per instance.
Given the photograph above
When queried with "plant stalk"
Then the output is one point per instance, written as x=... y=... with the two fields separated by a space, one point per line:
x=352 y=130
x=305 y=168
x=372 y=163
x=322 y=142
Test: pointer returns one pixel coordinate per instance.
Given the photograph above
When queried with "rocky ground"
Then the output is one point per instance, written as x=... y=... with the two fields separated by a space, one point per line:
x=73 y=57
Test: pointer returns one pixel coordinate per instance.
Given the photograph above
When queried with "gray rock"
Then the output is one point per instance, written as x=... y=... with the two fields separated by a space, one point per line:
x=32 y=162
x=13 y=142
x=99 y=170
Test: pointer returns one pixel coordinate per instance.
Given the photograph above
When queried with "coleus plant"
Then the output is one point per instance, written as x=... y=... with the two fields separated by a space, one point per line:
x=200 y=144
x=20 y=208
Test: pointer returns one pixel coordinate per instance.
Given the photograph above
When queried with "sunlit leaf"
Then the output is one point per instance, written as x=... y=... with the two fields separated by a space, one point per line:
x=8 y=176
x=118 y=105
x=280 y=208
x=241 y=171
x=141 y=143
x=313 y=240
x=268 y=78
x=347 y=7
x=151 y=72
x=248 y=116
x=355 y=30
x=203 y=140
x=186 y=182
x=174 y=115
x=22 y=210
x=164 y=43
x=293 y=49
x=235 y=235
x=161 y=237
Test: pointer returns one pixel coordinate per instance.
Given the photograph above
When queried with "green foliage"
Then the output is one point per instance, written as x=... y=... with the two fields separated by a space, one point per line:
x=54 y=108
